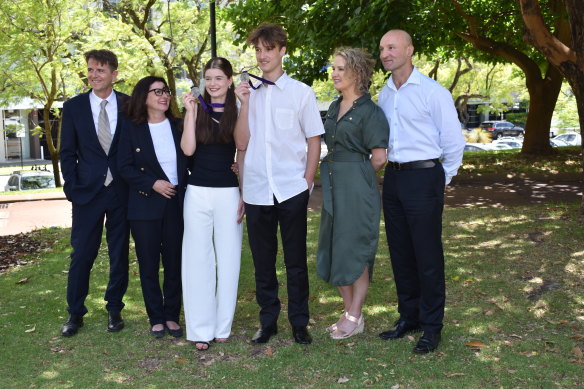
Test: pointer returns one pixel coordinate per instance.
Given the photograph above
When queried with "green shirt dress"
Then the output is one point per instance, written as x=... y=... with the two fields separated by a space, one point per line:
x=349 y=224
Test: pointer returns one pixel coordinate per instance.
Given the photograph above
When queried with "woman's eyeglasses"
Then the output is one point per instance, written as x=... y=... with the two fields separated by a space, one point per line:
x=160 y=91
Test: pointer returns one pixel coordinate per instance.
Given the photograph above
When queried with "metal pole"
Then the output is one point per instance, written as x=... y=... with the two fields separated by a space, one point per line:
x=212 y=29
x=21 y=160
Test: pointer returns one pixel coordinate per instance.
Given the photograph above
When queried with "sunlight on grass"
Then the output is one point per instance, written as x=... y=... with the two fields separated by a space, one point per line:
x=49 y=375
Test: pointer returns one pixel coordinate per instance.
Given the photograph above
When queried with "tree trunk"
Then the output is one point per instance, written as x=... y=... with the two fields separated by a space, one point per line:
x=53 y=151
x=576 y=81
x=543 y=94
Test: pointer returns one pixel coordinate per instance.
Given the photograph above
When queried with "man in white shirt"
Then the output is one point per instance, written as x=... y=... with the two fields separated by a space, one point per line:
x=279 y=125
x=424 y=153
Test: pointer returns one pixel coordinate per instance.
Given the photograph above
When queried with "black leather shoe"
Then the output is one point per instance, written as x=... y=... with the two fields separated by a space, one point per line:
x=402 y=328
x=264 y=334
x=157 y=333
x=301 y=335
x=115 y=322
x=72 y=325
x=175 y=333
x=428 y=342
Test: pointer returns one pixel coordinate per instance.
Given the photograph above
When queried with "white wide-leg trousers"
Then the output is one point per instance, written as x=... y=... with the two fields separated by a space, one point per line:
x=211 y=255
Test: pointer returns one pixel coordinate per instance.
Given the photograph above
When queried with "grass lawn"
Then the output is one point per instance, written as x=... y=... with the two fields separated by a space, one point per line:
x=514 y=319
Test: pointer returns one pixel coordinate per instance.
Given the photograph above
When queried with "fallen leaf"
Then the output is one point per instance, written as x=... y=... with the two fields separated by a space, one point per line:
x=577 y=336
x=493 y=328
x=476 y=345
x=209 y=363
x=577 y=351
x=516 y=336
x=370 y=359
x=343 y=380
x=488 y=313
x=23 y=281
x=455 y=278
x=511 y=371
x=396 y=386
x=269 y=351
x=455 y=375
x=180 y=360
x=33 y=329
x=411 y=338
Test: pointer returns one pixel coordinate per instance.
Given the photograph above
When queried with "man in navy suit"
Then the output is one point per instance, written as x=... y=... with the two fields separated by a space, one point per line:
x=89 y=145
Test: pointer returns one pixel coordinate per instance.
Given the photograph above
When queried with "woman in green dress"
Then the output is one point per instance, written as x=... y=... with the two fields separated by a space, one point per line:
x=356 y=135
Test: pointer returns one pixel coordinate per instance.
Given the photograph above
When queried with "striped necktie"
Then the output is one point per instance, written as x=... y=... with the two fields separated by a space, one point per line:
x=104 y=135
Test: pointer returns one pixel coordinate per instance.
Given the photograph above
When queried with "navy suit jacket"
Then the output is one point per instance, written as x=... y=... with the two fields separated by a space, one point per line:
x=83 y=161
x=139 y=166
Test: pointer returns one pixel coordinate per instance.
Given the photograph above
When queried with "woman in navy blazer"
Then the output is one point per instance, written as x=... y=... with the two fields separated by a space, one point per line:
x=151 y=162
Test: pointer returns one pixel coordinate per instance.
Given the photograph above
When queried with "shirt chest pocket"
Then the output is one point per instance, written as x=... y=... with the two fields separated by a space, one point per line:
x=284 y=118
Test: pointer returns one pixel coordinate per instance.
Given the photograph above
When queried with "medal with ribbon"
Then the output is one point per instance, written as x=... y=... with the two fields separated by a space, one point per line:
x=208 y=107
x=245 y=77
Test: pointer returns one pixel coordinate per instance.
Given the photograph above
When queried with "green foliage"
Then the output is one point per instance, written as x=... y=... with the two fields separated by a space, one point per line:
x=518 y=118
x=566 y=111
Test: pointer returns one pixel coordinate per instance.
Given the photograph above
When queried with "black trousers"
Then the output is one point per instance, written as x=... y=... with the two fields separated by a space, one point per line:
x=262 y=227
x=86 y=231
x=413 y=201
x=156 y=240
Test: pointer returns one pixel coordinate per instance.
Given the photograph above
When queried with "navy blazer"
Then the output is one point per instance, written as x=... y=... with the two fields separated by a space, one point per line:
x=139 y=167
x=83 y=162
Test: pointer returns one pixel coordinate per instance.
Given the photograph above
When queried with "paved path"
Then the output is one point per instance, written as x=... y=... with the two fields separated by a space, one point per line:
x=24 y=213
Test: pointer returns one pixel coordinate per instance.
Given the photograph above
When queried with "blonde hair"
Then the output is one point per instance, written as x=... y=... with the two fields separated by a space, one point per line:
x=360 y=64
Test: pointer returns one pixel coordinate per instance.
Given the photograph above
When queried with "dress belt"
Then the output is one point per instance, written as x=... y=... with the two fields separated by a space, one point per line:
x=425 y=164
x=345 y=156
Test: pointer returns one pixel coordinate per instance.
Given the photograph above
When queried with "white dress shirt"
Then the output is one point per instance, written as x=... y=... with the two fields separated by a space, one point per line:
x=423 y=123
x=111 y=108
x=281 y=118
x=165 y=149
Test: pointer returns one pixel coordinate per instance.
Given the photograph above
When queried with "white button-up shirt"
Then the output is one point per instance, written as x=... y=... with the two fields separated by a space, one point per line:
x=281 y=118
x=111 y=108
x=423 y=123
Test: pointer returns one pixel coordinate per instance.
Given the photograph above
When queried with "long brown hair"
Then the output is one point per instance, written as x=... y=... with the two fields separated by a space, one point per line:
x=229 y=117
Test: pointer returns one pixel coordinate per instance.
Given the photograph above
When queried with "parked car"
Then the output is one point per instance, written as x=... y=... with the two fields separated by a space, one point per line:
x=477 y=147
x=27 y=180
x=557 y=143
x=500 y=146
x=501 y=128
x=514 y=143
x=570 y=138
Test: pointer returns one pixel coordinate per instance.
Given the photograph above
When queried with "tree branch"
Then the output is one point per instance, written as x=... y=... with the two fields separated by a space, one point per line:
x=538 y=34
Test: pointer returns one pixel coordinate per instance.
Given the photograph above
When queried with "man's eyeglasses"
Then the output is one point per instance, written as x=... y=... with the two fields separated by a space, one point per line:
x=160 y=91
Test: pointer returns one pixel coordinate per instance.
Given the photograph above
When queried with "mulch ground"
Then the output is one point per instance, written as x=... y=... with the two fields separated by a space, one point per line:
x=16 y=250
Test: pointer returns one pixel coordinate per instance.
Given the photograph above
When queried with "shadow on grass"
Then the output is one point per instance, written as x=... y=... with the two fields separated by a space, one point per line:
x=514 y=318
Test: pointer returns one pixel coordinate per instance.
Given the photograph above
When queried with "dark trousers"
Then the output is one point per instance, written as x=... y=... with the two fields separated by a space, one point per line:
x=262 y=227
x=86 y=231
x=156 y=239
x=413 y=201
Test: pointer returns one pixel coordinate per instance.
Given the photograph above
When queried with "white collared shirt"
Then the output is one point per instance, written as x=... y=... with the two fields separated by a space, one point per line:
x=423 y=123
x=161 y=134
x=111 y=108
x=281 y=118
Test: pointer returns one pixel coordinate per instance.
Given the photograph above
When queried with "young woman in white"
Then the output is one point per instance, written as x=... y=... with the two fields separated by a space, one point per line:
x=213 y=209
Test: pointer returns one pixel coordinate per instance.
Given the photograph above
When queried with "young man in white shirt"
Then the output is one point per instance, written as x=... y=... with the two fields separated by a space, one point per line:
x=279 y=125
x=424 y=153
